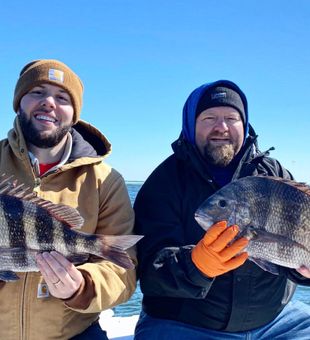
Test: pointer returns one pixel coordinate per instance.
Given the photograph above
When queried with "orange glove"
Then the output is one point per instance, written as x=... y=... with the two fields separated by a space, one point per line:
x=213 y=256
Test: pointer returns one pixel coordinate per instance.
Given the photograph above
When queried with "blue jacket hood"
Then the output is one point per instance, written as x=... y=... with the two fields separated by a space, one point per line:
x=190 y=106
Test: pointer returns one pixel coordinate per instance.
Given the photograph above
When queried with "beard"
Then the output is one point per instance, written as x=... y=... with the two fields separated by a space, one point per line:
x=220 y=155
x=39 y=138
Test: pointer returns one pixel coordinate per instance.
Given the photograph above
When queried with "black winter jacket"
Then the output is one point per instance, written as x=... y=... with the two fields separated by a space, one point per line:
x=173 y=288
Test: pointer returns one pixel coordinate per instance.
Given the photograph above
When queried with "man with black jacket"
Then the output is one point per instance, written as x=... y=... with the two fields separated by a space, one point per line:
x=199 y=285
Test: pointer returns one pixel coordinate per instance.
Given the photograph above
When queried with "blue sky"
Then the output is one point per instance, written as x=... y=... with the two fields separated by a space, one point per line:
x=139 y=60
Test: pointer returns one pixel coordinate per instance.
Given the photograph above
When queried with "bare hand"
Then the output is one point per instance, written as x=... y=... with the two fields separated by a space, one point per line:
x=62 y=277
x=304 y=271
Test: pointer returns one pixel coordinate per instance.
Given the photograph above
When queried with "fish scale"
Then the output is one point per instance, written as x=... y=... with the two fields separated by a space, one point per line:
x=272 y=212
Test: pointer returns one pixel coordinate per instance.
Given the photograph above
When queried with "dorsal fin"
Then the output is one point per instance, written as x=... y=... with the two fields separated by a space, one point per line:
x=304 y=187
x=64 y=213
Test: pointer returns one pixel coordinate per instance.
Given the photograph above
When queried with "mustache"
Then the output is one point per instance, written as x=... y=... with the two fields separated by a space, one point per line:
x=41 y=109
x=219 y=135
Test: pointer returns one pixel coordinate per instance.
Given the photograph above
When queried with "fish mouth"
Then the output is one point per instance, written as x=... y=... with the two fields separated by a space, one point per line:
x=205 y=221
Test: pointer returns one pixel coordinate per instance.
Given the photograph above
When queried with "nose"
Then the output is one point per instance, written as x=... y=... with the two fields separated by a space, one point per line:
x=48 y=101
x=221 y=125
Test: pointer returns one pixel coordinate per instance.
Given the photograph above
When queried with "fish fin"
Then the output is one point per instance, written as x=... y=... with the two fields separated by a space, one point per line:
x=121 y=241
x=265 y=265
x=117 y=256
x=302 y=186
x=7 y=276
x=64 y=213
x=9 y=186
x=114 y=249
x=260 y=235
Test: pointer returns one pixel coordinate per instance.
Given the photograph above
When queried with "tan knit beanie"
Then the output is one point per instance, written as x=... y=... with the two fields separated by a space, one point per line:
x=52 y=72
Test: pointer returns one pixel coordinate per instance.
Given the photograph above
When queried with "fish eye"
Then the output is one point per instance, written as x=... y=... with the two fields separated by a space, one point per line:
x=222 y=203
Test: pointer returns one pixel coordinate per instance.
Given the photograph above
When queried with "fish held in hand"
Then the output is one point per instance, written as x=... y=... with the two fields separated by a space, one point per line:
x=273 y=213
x=29 y=224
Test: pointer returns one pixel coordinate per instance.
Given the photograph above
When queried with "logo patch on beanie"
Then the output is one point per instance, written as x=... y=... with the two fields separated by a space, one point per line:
x=55 y=75
x=218 y=95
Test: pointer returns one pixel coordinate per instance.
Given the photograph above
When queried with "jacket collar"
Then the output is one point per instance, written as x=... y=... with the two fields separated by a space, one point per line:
x=67 y=151
x=89 y=141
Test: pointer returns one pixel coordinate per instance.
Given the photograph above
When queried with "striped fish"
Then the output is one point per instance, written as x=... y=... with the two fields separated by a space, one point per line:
x=273 y=213
x=29 y=224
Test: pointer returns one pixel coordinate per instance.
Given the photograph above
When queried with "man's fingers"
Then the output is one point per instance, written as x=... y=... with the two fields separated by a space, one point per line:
x=224 y=239
x=46 y=270
x=71 y=270
x=216 y=253
x=237 y=261
x=213 y=233
x=234 y=249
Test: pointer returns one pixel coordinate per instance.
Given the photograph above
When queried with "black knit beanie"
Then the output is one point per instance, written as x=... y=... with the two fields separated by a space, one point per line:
x=221 y=96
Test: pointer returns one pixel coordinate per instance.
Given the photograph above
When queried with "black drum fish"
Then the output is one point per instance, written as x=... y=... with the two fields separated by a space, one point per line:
x=272 y=212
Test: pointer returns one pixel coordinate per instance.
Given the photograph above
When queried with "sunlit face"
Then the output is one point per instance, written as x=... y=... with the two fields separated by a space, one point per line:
x=219 y=134
x=45 y=115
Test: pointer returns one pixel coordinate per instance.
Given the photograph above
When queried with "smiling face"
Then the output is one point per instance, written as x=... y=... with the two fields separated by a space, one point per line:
x=219 y=134
x=45 y=115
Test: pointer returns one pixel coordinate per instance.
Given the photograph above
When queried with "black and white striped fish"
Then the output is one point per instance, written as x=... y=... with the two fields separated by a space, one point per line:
x=273 y=213
x=29 y=224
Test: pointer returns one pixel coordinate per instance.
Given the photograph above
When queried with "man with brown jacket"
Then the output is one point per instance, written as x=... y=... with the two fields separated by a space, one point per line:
x=60 y=157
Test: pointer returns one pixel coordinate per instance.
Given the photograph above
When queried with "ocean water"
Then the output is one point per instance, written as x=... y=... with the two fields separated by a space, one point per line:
x=133 y=306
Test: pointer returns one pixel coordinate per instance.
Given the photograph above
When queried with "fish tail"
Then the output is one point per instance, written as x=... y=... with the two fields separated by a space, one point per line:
x=113 y=248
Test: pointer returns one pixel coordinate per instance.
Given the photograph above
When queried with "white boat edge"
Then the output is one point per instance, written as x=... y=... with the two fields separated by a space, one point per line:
x=118 y=327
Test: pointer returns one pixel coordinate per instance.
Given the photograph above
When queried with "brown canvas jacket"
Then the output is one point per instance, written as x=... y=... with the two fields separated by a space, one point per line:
x=99 y=193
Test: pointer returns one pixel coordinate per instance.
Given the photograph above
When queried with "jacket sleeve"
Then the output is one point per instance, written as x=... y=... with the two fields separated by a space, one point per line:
x=165 y=265
x=112 y=284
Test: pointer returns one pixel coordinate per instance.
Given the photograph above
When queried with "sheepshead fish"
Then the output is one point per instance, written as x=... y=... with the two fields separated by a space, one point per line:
x=29 y=224
x=273 y=213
